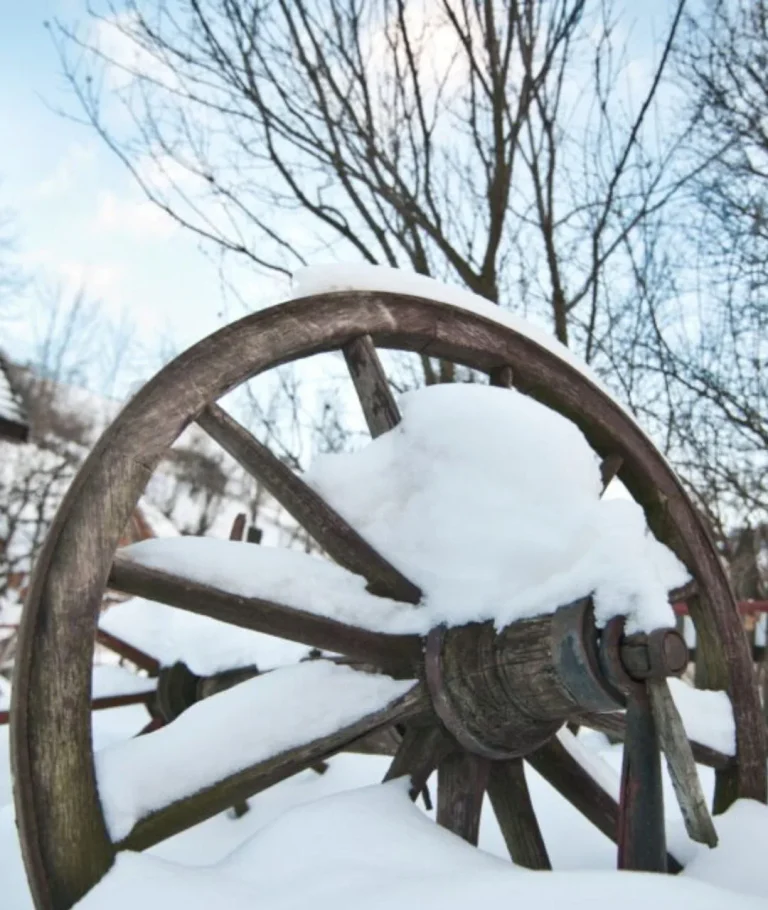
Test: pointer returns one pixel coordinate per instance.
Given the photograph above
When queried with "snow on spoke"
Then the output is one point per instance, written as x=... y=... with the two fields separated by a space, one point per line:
x=251 y=735
x=335 y=536
x=395 y=653
x=287 y=577
x=207 y=646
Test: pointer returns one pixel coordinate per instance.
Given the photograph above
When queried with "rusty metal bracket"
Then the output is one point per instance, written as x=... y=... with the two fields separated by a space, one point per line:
x=574 y=648
x=627 y=661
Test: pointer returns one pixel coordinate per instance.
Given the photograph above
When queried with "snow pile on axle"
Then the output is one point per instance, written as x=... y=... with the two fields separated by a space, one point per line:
x=486 y=499
x=490 y=502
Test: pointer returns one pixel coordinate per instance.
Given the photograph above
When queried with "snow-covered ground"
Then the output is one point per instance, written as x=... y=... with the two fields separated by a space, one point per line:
x=337 y=840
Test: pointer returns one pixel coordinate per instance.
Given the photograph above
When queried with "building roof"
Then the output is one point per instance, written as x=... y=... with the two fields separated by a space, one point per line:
x=13 y=420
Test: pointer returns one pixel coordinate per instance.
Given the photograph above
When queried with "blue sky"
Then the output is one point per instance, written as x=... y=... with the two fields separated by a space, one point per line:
x=78 y=218
x=80 y=221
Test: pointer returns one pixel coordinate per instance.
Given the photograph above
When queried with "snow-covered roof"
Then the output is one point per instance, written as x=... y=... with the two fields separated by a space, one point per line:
x=13 y=420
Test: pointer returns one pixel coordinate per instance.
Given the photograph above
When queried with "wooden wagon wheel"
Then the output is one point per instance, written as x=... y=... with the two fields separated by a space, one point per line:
x=463 y=714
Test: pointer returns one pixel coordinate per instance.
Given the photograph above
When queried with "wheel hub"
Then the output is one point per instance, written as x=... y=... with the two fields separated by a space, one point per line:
x=504 y=694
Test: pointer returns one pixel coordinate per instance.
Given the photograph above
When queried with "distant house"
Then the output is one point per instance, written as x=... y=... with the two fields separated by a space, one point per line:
x=14 y=425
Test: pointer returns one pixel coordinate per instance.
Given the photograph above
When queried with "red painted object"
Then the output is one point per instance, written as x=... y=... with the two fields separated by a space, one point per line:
x=746 y=607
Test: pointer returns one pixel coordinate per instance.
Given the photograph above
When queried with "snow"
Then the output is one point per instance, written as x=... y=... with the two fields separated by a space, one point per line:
x=288 y=577
x=373 y=846
x=109 y=680
x=231 y=731
x=279 y=839
x=707 y=716
x=205 y=645
x=739 y=862
x=471 y=498
x=596 y=767
x=106 y=681
x=160 y=525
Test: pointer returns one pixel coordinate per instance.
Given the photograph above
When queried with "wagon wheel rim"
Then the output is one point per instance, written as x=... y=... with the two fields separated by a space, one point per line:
x=59 y=619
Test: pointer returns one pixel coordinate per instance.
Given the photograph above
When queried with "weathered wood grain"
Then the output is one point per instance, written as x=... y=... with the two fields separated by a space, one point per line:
x=642 y=836
x=461 y=781
x=503 y=377
x=420 y=752
x=127 y=651
x=681 y=764
x=609 y=468
x=197 y=807
x=376 y=398
x=511 y=801
x=336 y=536
x=399 y=654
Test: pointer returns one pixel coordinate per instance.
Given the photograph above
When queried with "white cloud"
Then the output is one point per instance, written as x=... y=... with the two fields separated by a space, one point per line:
x=78 y=157
x=137 y=217
x=162 y=172
x=113 y=37
x=99 y=279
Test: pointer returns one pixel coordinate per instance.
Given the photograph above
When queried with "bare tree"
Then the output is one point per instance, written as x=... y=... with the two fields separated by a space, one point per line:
x=493 y=144
x=72 y=344
x=528 y=151
x=719 y=360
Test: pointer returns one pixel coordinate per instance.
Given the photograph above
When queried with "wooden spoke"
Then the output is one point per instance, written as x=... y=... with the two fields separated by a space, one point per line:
x=563 y=772
x=127 y=651
x=103 y=703
x=420 y=752
x=382 y=742
x=461 y=781
x=120 y=701
x=511 y=801
x=154 y=724
x=397 y=654
x=616 y=725
x=338 y=538
x=609 y=468
x=560 y=769
x=238 y=527
x=502 y=377
x=376 y=398
x=681 y=764
x=642 y=838
x=184 y=813
x=681 y=594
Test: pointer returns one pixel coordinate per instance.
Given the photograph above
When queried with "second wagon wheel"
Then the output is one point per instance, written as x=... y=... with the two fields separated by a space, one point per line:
x=473 y=701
